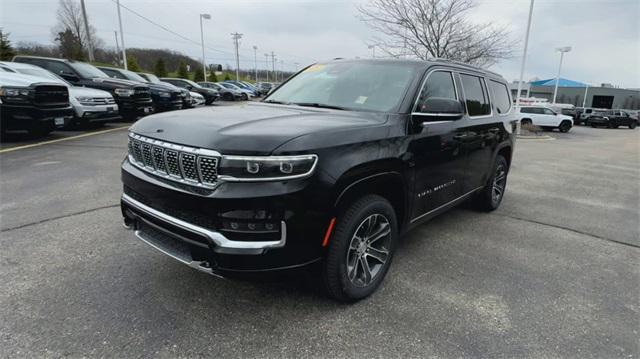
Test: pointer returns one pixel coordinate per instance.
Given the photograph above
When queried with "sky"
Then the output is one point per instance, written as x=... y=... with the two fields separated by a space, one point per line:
x=604 y=34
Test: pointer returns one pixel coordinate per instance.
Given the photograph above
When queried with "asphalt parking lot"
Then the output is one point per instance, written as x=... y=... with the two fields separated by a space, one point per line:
x=553 y=273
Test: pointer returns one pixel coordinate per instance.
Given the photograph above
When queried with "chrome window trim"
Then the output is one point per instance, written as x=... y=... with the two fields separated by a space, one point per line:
x=484 y=82
x=222 y=243
x=455 y=87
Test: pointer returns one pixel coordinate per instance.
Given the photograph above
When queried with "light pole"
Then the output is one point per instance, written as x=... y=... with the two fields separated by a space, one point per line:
x=255 y=60
x=236 y=40
x=204 y=63
x=373 y=50
x=562 y=51
x=584 y=100
x=266 y=60
x=523 y=63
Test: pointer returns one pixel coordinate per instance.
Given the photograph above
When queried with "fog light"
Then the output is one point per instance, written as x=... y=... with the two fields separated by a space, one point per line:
x=234 y=225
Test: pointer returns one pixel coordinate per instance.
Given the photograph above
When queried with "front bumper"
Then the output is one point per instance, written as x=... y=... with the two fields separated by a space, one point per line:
x=26 y=117
x=196 y=229
x=134 y=107
x=86 y=114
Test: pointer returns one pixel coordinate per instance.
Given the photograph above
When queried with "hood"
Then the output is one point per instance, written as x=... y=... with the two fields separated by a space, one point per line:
x=250 y=128
x=14 y=79
x=118 y=82
x=78 y=91
x=162 y=87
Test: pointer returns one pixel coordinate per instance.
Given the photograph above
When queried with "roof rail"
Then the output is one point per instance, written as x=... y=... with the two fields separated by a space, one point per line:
x=442 y=59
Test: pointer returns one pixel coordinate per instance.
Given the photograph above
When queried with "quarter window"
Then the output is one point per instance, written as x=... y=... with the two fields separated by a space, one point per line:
x=501 y=99
x=475 y=95
x=439 y=84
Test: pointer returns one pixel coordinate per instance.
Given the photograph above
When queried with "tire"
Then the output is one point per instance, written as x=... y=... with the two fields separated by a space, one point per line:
x=245 y=97
x=489 y=198
x=525 y=121
x=39 y=131
x=565 y=126
x=593 y=125
x=228 y=96
x=343 y=270
x=633 y=125
x=610 y=125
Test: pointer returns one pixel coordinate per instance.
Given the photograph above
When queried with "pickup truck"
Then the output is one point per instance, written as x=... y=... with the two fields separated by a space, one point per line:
x=325 y=174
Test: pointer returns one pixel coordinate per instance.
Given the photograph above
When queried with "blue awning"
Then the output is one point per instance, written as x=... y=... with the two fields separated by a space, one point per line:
x=561 y=83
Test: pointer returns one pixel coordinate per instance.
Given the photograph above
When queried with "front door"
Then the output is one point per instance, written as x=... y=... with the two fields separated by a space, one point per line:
x=436 y=147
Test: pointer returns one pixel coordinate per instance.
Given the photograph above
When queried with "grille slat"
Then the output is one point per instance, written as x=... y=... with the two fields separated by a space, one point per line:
x=174 y=162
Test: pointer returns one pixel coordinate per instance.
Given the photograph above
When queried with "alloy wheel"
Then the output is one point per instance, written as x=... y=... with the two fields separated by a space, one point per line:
x=499 y=183
x=368 y=250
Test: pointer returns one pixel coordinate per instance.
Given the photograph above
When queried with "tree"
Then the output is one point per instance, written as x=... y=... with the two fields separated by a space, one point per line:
x=213 y=77
x=182 y=70
x=159 y=68
x=132 y=64
x=6 y=50
x=435 y=29
x=70 y=45
x=226 y=76
x=198 y=75
x=70 y=18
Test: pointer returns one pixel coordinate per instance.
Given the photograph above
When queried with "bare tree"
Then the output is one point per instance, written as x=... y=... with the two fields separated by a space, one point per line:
x=435 y=28
x=70 y=17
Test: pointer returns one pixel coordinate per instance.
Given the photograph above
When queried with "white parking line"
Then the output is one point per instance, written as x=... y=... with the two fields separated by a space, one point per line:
x=62 y=139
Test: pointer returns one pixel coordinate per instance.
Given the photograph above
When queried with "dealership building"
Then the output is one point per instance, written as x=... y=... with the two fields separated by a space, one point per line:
x=573 y=92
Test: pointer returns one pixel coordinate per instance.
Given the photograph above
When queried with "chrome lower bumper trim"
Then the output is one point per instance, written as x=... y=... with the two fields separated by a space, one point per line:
x=221 y=244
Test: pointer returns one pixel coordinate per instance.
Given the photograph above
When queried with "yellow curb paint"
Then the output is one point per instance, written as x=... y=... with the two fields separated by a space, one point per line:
x=62 y=139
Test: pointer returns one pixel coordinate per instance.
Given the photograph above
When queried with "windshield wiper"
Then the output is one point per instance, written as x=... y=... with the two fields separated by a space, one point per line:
x=277 y=102
x=318 y=105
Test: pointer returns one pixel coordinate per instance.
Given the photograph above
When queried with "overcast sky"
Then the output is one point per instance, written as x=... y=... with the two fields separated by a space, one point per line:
x=604 y=34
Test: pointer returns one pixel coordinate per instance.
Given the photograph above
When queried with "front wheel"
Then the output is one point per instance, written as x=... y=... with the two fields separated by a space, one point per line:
x=633 y=125
x=491 y=195
x=360 y=249
x=565 y=126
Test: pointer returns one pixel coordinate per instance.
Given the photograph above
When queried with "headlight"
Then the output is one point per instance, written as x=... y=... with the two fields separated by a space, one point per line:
x=164 y=94
x=124 y=92
x=266 y=168
x=84 y=99
x=14 y=92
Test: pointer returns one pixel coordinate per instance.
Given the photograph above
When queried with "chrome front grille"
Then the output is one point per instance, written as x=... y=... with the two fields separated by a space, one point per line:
x=195 y=166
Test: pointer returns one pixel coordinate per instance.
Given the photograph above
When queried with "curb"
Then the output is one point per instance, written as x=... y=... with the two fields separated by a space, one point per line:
x=535 y=138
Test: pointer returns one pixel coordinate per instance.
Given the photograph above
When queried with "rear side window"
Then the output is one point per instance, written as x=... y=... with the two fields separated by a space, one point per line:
x=59 y=68
x=475 y=95
x=526 y=110
x=501 y=99
x=438 y=84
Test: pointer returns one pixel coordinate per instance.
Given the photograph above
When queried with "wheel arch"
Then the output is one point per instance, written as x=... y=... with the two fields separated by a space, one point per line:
x=385 y=178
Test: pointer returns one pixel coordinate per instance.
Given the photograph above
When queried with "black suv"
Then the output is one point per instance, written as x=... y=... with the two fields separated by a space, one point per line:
x=326 y=173
x=165 y=97
x=133 y=98
x=209 y=94
x=612 y=119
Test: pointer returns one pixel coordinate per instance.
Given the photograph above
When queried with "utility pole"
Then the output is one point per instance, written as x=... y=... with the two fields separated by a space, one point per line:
x=562 y=51
x=86 y=30
x=584 y=100
x=266 y=61
x=236 y=40
x=281 y=70
x=204 y=62
x=255 y=60
x=124 y=52
x=117 y=45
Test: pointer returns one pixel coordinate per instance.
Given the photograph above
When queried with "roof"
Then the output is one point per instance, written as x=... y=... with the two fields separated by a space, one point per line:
x=561 y=83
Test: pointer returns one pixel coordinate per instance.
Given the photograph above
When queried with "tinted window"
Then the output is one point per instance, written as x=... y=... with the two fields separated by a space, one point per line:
x=526 y=110
x=113 y=73
x=501 y=99
x=438 y=84
x=546 y=111
x=59 y=68
x=475 y=95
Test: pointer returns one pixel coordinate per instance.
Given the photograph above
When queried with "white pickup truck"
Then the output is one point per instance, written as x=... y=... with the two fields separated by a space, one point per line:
x=544 y=117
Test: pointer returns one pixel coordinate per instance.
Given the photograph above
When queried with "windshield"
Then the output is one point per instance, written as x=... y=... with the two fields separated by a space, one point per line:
x=153 y=78
x=230 y=86
x=86 y=70
x=369 y=86
x=43 y=73
x=130 y=75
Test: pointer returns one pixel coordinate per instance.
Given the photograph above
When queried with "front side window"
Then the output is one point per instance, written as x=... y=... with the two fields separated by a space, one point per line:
x=59 y=68
x=438 y=84
x=113 y=73
x=548 y=112
x=475 y=95
x=500 y=97
x=357 y=85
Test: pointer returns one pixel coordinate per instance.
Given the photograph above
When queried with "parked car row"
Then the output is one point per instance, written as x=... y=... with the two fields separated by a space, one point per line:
x=549 y=117
x=87 y=94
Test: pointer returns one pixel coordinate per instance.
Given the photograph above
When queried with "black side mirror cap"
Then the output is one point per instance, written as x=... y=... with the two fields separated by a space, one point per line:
x=444 y=108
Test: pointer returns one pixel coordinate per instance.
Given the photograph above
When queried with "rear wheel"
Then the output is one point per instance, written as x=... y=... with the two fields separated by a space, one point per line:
x=491 y=195
x=228 y=96
x=525 y=121
x=360 y=249
x=633 y=125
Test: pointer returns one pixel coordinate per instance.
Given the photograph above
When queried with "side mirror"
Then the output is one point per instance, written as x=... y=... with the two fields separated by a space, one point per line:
x=442 y=108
